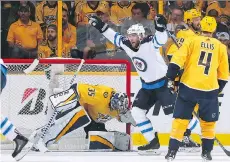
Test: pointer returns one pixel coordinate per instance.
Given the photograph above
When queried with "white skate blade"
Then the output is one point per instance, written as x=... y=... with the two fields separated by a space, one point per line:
x=25 y=150
x=170 y=159
x=41 y=146
x=189 y=150
x=149 y=152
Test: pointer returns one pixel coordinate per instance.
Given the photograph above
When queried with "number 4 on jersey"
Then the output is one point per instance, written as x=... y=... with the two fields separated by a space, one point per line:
x=207 y=63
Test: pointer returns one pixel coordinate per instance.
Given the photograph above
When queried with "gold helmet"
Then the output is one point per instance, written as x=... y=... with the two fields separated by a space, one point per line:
x=208 y=24
x=190 y=14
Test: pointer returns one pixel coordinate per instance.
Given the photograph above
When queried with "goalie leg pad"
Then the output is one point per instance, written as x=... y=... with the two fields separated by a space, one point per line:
x=108 y=141
x=65 y=123
x=101 y=141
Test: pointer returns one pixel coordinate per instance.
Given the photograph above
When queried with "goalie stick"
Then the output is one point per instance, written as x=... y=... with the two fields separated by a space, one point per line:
x=227 y=152
x=44 y=130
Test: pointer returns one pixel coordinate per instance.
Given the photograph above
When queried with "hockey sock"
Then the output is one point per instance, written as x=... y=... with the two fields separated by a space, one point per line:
x=7 y=128
x=143 y=123
x=193 y=123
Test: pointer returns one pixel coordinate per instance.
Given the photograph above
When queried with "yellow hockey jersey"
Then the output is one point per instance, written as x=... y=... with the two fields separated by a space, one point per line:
x=85 y=9
x=46 y=14
x=120 y=13
x=95 y=99
x=181 y=36
x=204 y=61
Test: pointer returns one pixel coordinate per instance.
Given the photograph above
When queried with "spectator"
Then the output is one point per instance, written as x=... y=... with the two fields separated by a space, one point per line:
x=224 y=38
x=96 y=40
x=153 y=9
x=139 y=15
x=121 y=11
x=69 y=31
x=225 y=7
x=49 y=48
x=220 y=27
x=32 y=8
x=213 y=5
x=46 y=12
x=176 y=19
x=87 y=8
x=24 y=35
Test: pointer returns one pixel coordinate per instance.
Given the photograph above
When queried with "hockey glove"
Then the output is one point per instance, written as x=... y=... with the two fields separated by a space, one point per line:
x=98 y=24
x=160 y=23
x=171 y=86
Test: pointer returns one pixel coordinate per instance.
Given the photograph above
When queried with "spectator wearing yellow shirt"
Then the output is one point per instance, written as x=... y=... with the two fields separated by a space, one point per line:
x=24 y=35
x=46 y=12
x=69 y=31
x=96 y=40
x=121 y=11
x=49 y=48
x=87 y=8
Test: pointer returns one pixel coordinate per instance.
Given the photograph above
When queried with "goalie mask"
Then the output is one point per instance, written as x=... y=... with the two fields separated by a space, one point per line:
x=119 y=101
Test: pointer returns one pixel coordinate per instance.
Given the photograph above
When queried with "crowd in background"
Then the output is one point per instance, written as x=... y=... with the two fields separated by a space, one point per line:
x=29 y=28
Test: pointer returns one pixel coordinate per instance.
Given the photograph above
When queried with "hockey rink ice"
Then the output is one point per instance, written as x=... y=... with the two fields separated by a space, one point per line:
x=218 y=156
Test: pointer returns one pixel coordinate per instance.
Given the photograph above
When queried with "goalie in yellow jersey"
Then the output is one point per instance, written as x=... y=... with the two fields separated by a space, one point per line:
x=205 y=63
x=90 y=106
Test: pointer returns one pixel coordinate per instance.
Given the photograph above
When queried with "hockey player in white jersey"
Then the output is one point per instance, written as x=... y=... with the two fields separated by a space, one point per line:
x=151 y=67
x=8 y=129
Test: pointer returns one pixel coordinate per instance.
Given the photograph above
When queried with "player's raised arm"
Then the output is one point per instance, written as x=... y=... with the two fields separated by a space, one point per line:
x=161 y=36
x=223 y=71
x=116 y=38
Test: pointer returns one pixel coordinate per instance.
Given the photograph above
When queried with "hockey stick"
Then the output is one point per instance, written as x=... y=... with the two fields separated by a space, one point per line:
x=44 y=130
x=32 y=66
x=216 y=139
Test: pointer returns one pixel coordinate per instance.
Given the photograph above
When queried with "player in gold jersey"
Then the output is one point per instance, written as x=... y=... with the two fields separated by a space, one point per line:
x=192 y=18
x=205 y=63
x=89 y=106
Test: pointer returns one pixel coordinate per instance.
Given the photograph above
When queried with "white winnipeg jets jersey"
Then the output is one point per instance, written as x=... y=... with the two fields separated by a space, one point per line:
x=2 y=63
x=147 y=60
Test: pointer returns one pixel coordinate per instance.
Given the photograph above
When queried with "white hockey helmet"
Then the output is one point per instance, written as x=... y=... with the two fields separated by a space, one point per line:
x=137 y=29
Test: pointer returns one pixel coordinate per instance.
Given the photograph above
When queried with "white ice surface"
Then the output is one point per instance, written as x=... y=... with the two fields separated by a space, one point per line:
x=218 y=156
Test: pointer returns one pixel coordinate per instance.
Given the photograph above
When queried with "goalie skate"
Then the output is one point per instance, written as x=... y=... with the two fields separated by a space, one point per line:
x=188 y=145
x=151 y=148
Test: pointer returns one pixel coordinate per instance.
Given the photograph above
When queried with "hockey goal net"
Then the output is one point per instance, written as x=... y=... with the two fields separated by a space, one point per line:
x=25 y=97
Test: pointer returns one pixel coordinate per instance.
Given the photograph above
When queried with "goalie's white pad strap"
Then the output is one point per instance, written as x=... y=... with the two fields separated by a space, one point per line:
x=66 y=122
x=108 y=141
x=64 y=100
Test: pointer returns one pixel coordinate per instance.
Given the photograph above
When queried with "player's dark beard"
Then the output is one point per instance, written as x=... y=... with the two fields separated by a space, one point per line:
x=195 y=28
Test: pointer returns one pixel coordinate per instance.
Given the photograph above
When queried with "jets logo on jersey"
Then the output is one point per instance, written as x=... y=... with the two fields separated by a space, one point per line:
x=140 y=64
